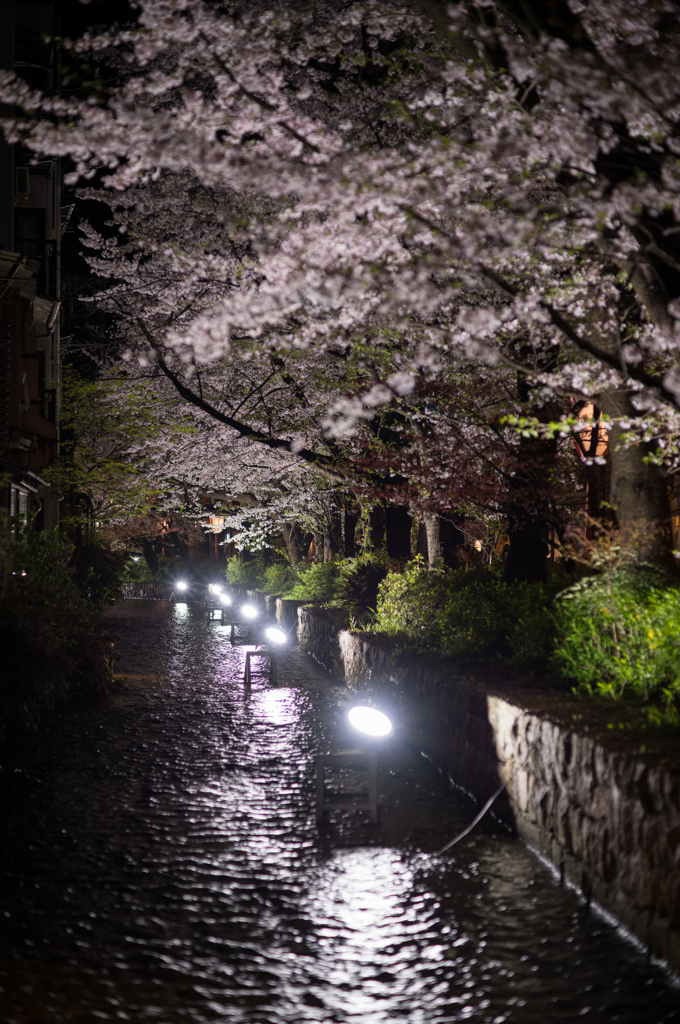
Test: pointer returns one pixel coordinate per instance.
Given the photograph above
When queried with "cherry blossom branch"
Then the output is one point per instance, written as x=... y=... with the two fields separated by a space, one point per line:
x=325 y=463
x=649 y=380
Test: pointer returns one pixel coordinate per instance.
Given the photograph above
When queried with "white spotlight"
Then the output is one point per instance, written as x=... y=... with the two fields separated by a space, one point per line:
x=181 y=585
x=250 y=611
x=225 y=599
x=370 y=721
x=275 y=635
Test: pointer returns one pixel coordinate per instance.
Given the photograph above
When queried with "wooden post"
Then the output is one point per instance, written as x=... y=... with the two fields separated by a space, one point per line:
x=271 y=671
x=363 y=801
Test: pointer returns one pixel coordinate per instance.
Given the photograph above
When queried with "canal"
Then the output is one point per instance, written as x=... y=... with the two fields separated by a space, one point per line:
x=161 y=862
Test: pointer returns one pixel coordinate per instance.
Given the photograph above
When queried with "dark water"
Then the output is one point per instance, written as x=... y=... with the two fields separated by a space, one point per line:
x=161 y=862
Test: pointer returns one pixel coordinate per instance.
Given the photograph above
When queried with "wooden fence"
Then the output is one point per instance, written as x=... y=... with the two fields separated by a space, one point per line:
x=147 y=591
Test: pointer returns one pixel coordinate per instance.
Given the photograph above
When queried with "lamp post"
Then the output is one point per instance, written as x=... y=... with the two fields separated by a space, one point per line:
x=369 y=722
x=276 y=637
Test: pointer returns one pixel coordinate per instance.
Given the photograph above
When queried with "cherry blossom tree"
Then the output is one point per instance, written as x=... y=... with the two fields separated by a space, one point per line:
x=496 y=184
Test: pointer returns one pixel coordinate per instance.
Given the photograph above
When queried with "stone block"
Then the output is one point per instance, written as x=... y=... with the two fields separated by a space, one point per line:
x=673 y=946
x=562 y=821
x=576 y=830
x=658 y=928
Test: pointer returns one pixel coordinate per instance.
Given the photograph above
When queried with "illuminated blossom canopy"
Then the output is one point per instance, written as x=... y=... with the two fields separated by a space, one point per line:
x=490 y=190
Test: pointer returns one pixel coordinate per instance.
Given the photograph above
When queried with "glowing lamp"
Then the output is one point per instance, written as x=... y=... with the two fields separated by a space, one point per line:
x=250 y=611
x=225 y=599
x=370 y=721
x=275 y=635
x=181 y=585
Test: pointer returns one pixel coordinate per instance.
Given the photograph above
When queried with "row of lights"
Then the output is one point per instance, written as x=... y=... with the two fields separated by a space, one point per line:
x=363 y=719
x=274 y=635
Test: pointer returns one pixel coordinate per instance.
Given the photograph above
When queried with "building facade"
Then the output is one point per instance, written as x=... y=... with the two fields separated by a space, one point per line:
x=32 y=221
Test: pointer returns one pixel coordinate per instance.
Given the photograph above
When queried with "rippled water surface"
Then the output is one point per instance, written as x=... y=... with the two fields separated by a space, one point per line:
x=161 y=862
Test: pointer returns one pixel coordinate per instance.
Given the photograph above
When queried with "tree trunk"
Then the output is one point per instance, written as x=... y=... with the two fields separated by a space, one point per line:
x=376 y=521
x=528 y=550
x=331 y=539
x=421 y=543
x=351 y=520
x=450 y=540
x=434 y=550
x=290 y=538
x=639 y=490
x=398 y=531
x=149 y=554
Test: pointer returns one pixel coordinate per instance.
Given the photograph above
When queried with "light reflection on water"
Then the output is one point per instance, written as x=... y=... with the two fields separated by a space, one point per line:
x=162 y=862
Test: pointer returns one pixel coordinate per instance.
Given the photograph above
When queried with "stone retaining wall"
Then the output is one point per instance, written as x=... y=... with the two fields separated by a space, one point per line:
x=607 y=818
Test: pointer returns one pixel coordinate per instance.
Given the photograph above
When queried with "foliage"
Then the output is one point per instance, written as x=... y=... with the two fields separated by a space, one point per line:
x=551 y=149
x=52 y=645
x=98 y=573
x=317 y=217
x=137 y=570
x=619 y=635
x=318 y=583
x=113 y=431
x=359 y=580
x=468 y=613
x=249 y=574
x=281 y=577
x=615 y=635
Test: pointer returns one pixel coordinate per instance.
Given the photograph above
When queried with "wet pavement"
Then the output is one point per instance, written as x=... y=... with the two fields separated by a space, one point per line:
x=161 y=861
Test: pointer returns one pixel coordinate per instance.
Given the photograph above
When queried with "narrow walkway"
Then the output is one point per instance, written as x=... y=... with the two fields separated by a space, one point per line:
x=161 y=862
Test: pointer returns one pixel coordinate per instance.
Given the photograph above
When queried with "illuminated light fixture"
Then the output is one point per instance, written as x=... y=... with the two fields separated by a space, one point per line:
x=370 y=721
x=181 y=585
x=224 y=598
x=277 y=636
x=250 y=611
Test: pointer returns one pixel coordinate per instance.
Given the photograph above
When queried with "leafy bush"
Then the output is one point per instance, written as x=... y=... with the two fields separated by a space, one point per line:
x=318 y=583
x=248 y=574
x=619 y=635
x=359 y=579
x=253 y=574
x=52 y=643
x=468 y=613
x=281 y=577
x=137 y=570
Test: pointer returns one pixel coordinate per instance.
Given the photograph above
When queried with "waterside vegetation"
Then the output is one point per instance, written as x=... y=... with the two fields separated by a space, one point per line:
x=613 y=635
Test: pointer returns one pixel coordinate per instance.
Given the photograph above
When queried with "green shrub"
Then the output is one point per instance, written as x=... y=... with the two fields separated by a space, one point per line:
x=468 y=613
x=248 y=574
x=137 y=570
x=282 y=577
x=359 y=579
x=318 y=583
x=411 y=604
x=619 y=635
